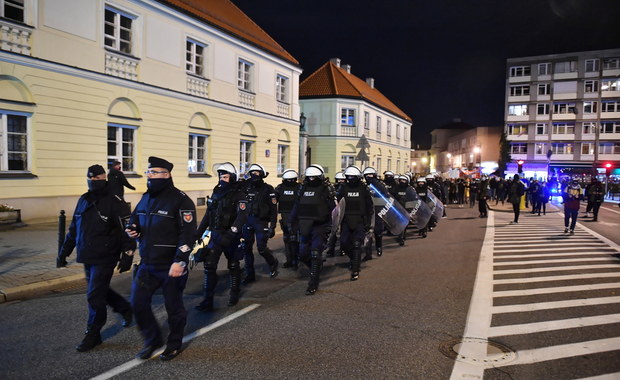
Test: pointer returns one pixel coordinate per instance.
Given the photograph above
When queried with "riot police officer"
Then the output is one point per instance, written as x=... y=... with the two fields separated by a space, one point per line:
x=97 y=231
x=286 y=193
x=400 y=193
x=340 y=179
x=261 y=222
x=358 y=214
x=164 y=222
x=226 y=214
x=422 y=190
x=389 y=181
x=312 y=217
x=376 y=186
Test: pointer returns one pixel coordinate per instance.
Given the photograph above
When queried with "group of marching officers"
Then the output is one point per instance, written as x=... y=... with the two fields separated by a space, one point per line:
x=240 y=214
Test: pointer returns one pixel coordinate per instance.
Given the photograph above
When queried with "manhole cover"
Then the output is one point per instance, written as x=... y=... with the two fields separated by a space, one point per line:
x=477 y=351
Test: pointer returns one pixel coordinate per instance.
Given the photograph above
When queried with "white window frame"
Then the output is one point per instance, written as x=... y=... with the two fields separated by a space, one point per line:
x=118 y=154
x=544 y=68
x=563 y=129
x=195 y=57
x=4 y=141
x=587 y=148
x=193 y=157
x=517 y=129
x=611 y=63
x=367 y=120
x=562 y=148
x=540 y=148
x=610 y=84
x=16 y=5
x=246 y=155
x=346 y=160
x=245 y=75
x=519 y=71
x=610 y=106
x=282 y=89
x=590 y=107
x=541 y=129
x=592 y=65
x=588 y=128
x=565 y=67
x=609 y=147
x=563 y=108
x=544 y=88
x=283 y=158
x=116 y=41
x=518 y=148
x=347 y=117
x=590 y=86
x=520 y=90
x=518 y=110
x=542 y=109
x=610 y=127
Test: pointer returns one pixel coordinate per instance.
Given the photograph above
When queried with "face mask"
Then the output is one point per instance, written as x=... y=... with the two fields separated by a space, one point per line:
x=353 y=180
x=155 y=185
x=313 y=181
x=255 y=177
x=96 y=185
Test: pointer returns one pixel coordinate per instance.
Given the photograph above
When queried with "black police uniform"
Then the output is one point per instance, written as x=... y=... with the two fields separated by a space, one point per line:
x=378 y=206
x=165 y=218
x=226 y=214
x=260 y=226
x=97 y=231
x=118 y=182
x=286 y=193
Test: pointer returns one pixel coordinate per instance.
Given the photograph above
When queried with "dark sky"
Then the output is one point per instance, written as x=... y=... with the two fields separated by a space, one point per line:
x=436 y=59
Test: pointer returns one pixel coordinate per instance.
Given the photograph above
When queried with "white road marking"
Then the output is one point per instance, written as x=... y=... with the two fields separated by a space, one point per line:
x=555 y=269
x=558 y=324
x=554 y=305
x=558 y=289
x=581 y=276
x=561 y=259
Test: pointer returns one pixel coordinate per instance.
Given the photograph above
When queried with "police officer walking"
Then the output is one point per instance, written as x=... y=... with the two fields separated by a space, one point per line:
x=358 y=214
x=164 y=222
x=422 y=190
x=286 y=193
x=370 y=176
x=312 y=217
x=226 y=214
x=97 y=231
x=596 y=195
x=117 y=180
x=339 y=179
x=261 y=223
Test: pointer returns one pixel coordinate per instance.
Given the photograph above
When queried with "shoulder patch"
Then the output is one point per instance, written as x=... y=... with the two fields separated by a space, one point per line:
x=242 y=206
x=187 y=215
x=184 y=248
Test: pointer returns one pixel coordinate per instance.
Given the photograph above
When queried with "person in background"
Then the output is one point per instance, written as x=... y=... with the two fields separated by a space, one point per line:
x=117 y=180
x=515 y=192
x=596 y=195
x=572 y=195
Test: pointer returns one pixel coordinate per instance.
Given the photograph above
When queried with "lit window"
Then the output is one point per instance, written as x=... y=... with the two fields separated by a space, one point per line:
x=195 y=57
x=590 y=86
x=517 y=110
x=561 y=148
x=610 y=84
x=347 y=117
x=197 y=154
x=563 y=129
x=587 y=148
x=540 y=148
x=118 y=30
x=121 y=146
x=517 y=129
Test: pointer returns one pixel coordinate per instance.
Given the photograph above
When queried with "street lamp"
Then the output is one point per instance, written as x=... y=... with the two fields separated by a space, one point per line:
x=424 y=161
x=413 y=164
x=449 y=155
x=477 y=151
x=303 y=145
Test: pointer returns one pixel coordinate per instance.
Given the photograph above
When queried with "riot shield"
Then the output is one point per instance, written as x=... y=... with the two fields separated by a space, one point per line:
x=436 y=205
x=393 y=214
x=419 y=212
x=337 y=216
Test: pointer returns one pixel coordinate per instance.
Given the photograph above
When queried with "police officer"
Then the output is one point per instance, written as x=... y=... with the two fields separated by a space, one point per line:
x=97 y=231
x=164 y=222
x=389 y=181
x=400 y=193
x=358 y=214
x=435 y=185
x=226 y=214
x=339 y=179
x=483 y=195
x=286 y=193
x=311 y=216
x=422 y=191
x=370 y=176
x=596 y=195
x=261 y=222
x=117 y=180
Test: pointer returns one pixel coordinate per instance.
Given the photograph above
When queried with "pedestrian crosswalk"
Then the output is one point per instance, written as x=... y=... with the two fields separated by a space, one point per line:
x=548 y=296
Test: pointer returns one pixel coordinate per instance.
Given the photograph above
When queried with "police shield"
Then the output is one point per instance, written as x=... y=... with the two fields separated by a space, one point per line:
x=435 y=204
x=394 y=215
x=419 y=212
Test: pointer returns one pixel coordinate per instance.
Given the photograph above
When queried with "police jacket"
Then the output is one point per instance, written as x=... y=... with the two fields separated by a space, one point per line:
x=400 y=191
x=262 y=201
x=98 y=228
x=314 y=202
x=118 y=182
x=358 y=203
x=286 y=193
x=226 y=208
x=422 y=190
x=595 y=192
x=166 y=222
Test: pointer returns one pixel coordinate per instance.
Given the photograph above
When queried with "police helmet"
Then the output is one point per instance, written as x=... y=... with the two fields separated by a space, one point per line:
x=289 y=174
x=353 y=171
x=369 y=171
x=258 y=168
x=388 y=173
x=314 y=171
x=339 y=175
x=421 y=180
x=227 y=168
x=403 y=179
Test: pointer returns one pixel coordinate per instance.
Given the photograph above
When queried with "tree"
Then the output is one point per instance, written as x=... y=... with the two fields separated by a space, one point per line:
x=504 y=155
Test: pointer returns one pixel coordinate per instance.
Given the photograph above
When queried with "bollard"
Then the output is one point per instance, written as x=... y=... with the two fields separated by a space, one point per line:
x=62 y=219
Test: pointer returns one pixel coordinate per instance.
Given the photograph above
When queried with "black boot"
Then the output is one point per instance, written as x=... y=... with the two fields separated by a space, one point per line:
x=355 y=262
x=368 y=250
x=316 y=264
x=209 y=284
x=235 y=283
x=271 y=261
x=379 y=244
x=90 y=341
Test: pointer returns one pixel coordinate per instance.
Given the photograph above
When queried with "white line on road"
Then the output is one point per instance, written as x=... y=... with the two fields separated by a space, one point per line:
x=580 y=276
x=555 y=269
x=538 y=245
x=556 y=260
x=554 y=305
x=567 y=255
x=559 y=289
x=558 y=324
x=567 y=246
x=136 y=362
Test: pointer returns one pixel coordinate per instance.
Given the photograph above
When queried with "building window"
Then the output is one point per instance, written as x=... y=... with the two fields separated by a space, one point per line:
x=14 y=139
x=609 y=148
x=122 y=146
x=519 y=71
x=398 y=131
x=245 y=155
x=346 y=160
x=544 y=69
x=519 y=90
x=610 y=84
x=244 y=75
x=118 y=30
x=282 y=158
x=540 y=148
x=592 y=65
x=517 y=129
x=588 y=128
x=282 y=88
x=563 y=129
x=378 y=168
x=563 y=108
x=541 y=129
x=347 y=117
x=544 y=88
x=517 y=110
x=378 y=124
x=611 y=63
x=562 y=148
x=389 y=128
x=587 y=148
x=366 y=121
x=389 y=164
x=405 y=134
x=610 y=106
x=518 y=148
x=197 y=154
x=12 y=9
x=590 y=86
x=195 y=57
x=565 y=67
x=590 y=107
x=542 y=109
x=610 y=126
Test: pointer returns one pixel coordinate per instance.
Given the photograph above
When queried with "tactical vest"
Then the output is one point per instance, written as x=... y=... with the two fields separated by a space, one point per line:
x=258 y=202
x=313 y=203
x=222 y=209
x=288 y=193
x=354 y=198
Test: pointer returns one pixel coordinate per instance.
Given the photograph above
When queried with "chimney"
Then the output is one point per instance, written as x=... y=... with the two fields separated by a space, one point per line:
x=335 y=61
x=371 y=82
x=347 y=68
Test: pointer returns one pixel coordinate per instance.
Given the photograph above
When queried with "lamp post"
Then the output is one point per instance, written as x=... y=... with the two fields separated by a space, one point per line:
x=303 y=146
x=449 y=155
x=477 y=152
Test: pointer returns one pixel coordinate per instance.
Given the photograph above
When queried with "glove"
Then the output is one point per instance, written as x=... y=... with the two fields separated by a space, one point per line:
x=271 y=232
x=124 y=264
x=61 y=260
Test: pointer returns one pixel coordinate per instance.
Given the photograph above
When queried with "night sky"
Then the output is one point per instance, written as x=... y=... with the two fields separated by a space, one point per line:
x=436 y=59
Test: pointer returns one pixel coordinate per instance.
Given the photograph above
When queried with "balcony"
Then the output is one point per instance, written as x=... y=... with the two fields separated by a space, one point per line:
x=15 y=38
x=198 y=87
x=283 y=109
x=121 y=66
x=348 y=131
x=247 y=100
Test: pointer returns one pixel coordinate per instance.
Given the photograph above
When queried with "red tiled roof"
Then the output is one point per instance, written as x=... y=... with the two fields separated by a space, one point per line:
x=333 y=81
x=225 y=15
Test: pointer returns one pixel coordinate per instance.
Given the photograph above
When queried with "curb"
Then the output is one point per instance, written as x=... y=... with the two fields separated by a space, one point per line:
x=29 y=290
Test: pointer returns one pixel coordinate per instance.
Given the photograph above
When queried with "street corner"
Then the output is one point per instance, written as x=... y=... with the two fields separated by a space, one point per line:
x=40 y=287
